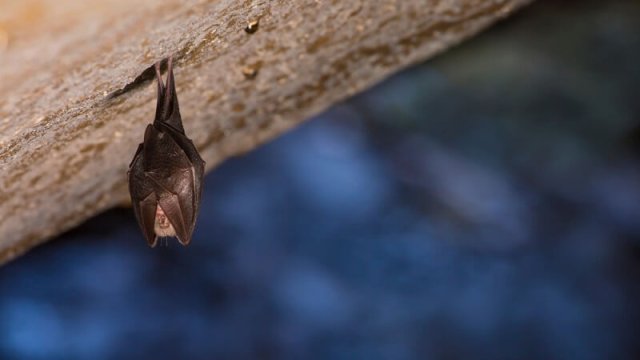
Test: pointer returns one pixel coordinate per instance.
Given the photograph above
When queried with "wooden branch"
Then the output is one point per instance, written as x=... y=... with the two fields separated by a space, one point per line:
x=75 y=99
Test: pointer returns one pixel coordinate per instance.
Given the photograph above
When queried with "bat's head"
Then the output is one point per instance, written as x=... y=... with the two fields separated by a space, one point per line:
x=162 y=226
x=163 y=217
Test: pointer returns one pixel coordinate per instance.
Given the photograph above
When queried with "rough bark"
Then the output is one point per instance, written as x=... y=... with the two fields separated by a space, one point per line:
x=75 y=99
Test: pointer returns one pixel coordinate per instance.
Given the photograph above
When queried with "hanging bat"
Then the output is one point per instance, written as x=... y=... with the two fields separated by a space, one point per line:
x=166 y=173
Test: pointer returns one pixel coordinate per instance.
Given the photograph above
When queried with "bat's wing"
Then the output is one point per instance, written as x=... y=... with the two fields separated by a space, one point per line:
x=143 y=197
x=146 y=214
x=176 y=175
x=180 y=216
x=196 y=163
x=162 y=154
x=176 y=200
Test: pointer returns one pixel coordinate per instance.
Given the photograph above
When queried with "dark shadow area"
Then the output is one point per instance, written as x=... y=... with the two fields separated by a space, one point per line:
x=482 y=205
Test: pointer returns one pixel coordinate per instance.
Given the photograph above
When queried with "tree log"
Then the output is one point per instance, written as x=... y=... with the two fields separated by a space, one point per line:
x=76 y=91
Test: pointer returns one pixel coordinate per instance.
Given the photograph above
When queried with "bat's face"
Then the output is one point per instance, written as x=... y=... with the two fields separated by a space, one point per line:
x=162 y=226
x=166 y=173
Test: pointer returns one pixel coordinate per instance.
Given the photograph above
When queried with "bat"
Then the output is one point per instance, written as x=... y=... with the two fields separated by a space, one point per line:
x=166 y=173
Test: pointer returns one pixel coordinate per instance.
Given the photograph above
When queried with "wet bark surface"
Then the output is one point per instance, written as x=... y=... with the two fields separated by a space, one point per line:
x=76 y=92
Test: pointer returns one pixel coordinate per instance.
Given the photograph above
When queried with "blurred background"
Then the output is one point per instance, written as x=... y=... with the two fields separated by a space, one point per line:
x=484 y=204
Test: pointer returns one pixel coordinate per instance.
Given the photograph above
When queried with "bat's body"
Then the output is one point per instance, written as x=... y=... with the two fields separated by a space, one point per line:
x=166 y=173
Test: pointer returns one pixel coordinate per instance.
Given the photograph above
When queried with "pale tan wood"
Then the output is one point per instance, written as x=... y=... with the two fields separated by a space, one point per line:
x=75 y=97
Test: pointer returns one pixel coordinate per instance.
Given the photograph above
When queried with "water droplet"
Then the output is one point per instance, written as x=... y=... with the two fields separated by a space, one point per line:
x=249 y=72
x=252 y=26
